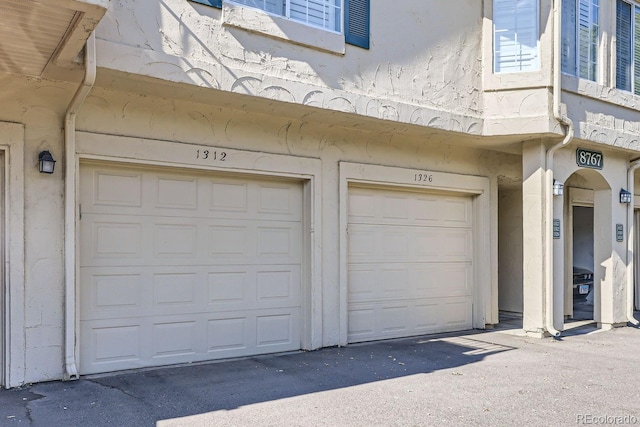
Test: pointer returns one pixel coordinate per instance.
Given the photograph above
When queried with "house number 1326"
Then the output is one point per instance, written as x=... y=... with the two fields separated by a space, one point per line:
x=211 y=155
x=423 y=177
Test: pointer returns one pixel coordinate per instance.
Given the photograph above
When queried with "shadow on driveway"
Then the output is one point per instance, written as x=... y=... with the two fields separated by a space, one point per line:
x=145 y=397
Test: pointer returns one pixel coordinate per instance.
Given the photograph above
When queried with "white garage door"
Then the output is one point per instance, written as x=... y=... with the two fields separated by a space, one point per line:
x=177 y=266
x=409 y=263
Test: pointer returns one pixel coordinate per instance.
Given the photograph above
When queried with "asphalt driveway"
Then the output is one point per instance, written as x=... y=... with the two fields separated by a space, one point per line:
x=475 y=378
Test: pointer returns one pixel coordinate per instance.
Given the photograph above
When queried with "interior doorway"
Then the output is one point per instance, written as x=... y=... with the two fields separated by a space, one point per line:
x=583 y=291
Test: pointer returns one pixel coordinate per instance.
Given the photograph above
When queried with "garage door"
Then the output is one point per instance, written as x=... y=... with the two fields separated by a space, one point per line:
x=177 y=266
x=409 y=263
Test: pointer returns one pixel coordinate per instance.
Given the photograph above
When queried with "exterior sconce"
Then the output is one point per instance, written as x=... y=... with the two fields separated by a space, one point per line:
x=46 y=162
x=558 y=188
x=625 y=196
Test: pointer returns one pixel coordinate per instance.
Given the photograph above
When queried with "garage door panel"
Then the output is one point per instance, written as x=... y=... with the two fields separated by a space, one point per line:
x=374 y=282
x=175 y=289
x=106 y=291
x=130 y=292
x=458 y=313
x=410 y=268
x=228 y=334
x=175 y=240
x=184 y=267
x=113 y=342
x=362 y=282
x=428 y=316
x=392 y=207
x=394 y=319
x=443 y=244
x=133 y=240
x=127 y=343
x=113 y=239
x=362 y=323
x=394 y=281
x=176 y=192
x=275 y=330
x=116 y=188
x=124 y=190
x=439 y=280
x=174 y=339
x=395 y=207
x=384 y=243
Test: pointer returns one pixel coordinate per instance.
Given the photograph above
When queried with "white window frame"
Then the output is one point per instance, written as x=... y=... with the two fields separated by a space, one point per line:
x=591 y=67
x=520 y=64
x=334 y=15
x=280 y=28
x=635 y=58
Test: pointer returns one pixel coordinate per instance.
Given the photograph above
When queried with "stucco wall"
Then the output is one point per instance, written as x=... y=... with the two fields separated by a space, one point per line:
x=510 y=250
x=428 y=73
x=40 y=106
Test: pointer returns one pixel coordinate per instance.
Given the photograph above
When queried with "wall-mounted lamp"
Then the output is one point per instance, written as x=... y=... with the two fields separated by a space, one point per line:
x=46 y=162
x=625 y=196
x=558 y=188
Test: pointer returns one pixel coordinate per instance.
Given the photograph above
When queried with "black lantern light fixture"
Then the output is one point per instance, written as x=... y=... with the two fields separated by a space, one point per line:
x=46 y=162
x=625 y=196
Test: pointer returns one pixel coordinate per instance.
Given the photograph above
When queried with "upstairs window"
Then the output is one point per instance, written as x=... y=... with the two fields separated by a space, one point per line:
x=580 y=33
x=628 y=46
x=325 y=14
x=515 y=36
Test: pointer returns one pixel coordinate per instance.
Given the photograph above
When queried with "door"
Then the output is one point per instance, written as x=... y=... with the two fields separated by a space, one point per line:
x=409 y=263
x=179 y=266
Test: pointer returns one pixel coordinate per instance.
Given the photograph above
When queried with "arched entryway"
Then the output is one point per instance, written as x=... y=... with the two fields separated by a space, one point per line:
x=587 y=242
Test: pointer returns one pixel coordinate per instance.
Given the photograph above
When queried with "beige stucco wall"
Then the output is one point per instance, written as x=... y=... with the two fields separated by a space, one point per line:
x=510 y=250
x=428 y=73
x=40 y=106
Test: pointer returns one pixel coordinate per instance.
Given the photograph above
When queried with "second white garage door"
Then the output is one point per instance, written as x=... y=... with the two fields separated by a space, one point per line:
x=409 y=263
x=177 y=266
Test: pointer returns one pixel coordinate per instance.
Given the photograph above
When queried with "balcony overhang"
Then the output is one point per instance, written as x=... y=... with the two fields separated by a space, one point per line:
x=42 y=38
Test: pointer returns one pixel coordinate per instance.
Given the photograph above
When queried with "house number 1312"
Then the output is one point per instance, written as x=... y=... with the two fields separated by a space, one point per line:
x=211 y=155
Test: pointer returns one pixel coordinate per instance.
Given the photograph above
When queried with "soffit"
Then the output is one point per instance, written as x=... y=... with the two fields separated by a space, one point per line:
x=36 y=34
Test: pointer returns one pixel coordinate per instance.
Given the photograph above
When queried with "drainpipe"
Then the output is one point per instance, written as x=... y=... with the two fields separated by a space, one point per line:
x=548 y=187
x=633 y=165
x=70 y=368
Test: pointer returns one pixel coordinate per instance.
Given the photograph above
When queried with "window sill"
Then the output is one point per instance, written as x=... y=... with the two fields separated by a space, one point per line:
x=596 y=91
x=258 y=21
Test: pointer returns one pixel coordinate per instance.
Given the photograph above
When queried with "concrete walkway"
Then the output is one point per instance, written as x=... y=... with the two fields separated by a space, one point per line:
x=477 y=378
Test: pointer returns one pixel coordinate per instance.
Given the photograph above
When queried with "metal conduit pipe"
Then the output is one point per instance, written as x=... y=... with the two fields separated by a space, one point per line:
x=70 y=367
x=548 y=185
x=633 y=165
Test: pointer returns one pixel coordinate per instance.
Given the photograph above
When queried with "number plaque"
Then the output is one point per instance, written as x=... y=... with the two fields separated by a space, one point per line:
x=589 y=158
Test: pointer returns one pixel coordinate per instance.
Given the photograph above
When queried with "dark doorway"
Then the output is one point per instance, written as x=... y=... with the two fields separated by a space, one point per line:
x=583 y=283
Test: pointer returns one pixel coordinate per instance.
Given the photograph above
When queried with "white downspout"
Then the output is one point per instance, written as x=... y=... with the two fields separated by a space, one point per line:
x=70 y=170
x=633 y=165
x=548 y=187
